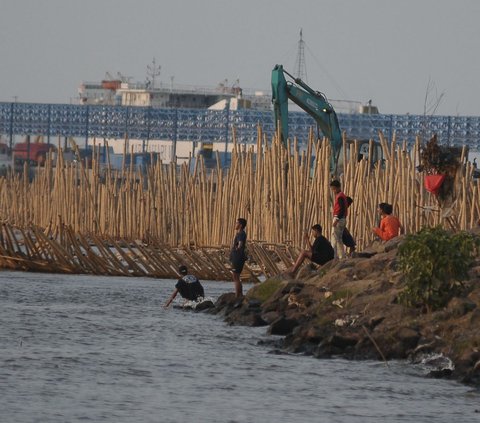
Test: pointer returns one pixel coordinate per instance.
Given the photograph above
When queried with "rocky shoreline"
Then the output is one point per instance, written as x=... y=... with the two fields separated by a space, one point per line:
x=350 y=309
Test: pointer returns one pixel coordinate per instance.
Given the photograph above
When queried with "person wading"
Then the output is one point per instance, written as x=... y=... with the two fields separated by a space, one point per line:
x=188 y=286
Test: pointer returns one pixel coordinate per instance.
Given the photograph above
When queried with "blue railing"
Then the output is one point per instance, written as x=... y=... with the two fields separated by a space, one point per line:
x=53 y=120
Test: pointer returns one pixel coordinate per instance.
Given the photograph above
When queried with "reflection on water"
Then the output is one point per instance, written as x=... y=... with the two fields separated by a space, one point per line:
x=102 y=349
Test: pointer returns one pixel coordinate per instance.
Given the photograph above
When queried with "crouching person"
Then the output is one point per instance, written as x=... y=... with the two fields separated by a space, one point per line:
x=188 y=286
x=320 y=252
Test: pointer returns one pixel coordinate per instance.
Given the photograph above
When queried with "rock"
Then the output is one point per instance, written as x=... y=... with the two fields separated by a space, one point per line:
x=225 y=299
x=458 y=307
x=293 y=287
x=345 y=264
x=397 y=343
x=265 y=290
x=204 y=305
x=342 y=341
x=475 y=294
x=245 y=317
x=224 y=303
x=270 y=316
x=366 y=267
x=306 y=272
x=408 y=336
x=374 y=321
x=363 y=254
x=296 y=343
x=475 y=317
x=313 y=334
x=365 y=350
x=276 y=303
x=336 y=344
x=282 y=326
x=238 y=302
x=440 y=374
x=254 y=304
x=393 y=243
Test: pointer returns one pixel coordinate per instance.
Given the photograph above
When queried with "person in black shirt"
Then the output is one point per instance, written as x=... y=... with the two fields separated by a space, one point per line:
x=347 y=237
x=320 y=252
x=188 y=286
x=238 y=256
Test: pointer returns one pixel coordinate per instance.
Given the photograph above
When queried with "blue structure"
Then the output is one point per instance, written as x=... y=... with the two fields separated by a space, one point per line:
x=53 y=120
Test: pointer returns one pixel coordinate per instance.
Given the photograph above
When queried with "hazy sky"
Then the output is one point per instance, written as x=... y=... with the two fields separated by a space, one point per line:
x=382 y=50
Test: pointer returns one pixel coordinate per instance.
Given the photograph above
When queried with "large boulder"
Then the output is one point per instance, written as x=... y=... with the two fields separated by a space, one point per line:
x=282 y=326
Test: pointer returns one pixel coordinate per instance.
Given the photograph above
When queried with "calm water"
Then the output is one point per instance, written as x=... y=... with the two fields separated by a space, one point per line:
x=102 y=349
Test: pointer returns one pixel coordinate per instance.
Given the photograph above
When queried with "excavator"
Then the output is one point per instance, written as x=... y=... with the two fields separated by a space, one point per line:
x=316 y=105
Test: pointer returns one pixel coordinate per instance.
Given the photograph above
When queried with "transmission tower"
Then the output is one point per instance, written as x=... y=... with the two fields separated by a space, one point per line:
x=300 y=65
x=152 y=71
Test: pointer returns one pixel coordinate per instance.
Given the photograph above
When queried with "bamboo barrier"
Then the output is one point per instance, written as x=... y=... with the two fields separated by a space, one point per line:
x=31 y=249
x=281 y=192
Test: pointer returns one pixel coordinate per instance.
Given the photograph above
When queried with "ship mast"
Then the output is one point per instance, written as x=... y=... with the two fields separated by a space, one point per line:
x=152 y=71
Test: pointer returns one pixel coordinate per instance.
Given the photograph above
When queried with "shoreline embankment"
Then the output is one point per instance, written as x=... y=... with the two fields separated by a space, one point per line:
x=350 y=308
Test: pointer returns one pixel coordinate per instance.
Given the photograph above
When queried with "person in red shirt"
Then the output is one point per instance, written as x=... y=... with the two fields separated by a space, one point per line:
x=340 y=211
x=390 y=226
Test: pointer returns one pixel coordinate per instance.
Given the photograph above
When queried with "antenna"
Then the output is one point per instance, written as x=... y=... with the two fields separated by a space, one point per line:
x=124 y=78
x=300 y=65
x=152 y=71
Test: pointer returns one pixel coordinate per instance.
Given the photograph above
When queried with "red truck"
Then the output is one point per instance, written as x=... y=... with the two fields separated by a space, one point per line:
x=36 y=152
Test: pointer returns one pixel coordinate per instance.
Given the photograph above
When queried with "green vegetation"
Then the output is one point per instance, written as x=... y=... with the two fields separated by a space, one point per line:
x=265 y=290
x=435 y=263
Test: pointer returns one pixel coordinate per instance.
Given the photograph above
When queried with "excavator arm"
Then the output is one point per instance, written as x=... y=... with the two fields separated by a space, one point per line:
x=313 y=102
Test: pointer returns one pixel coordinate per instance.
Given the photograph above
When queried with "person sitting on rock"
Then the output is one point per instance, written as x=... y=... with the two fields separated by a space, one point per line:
x=320 y=252
x=390 y=226
x=188 y=286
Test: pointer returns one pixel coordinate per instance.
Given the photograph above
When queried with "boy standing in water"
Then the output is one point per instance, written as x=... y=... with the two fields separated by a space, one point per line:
x=237 y=254
x=340 y=206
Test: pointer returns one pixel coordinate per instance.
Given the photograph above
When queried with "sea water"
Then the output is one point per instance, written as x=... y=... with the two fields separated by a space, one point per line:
x=103 y=349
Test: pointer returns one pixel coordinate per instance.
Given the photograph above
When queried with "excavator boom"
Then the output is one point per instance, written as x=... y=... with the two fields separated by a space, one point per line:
x=313 y=102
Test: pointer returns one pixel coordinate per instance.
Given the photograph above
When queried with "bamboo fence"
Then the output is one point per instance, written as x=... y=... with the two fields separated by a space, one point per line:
x=280 y=191
x=37 y=250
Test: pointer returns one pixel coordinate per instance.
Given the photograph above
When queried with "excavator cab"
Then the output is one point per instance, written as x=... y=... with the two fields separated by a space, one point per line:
x=363 y=152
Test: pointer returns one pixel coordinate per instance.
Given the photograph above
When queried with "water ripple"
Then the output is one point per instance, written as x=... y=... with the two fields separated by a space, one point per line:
x=102 y=349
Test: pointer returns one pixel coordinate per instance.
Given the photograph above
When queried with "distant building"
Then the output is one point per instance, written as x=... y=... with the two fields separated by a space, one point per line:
x=121 y=93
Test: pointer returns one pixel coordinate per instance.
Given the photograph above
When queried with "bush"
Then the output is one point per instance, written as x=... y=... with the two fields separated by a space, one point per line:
x=435 y=263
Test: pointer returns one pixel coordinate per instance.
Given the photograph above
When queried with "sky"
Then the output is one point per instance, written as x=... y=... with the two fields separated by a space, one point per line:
x=390 y=52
